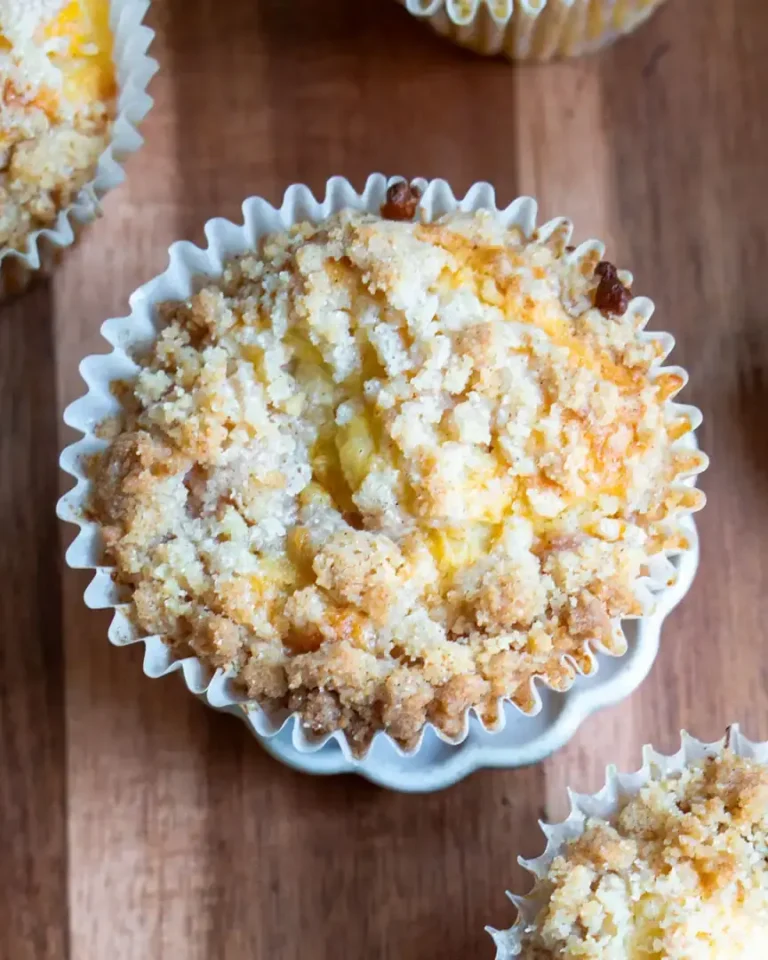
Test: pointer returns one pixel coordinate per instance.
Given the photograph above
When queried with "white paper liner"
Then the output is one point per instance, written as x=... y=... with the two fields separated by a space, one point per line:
x=617 y=790
x=133 y=71
x=189 y=268
x=532 y=29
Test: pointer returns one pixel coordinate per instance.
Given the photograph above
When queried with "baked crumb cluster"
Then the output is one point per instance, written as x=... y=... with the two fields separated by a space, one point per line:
x=682 y=874
x=57 y=94
x=389 y=470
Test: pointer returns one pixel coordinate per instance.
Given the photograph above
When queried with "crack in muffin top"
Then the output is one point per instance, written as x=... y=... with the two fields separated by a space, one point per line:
x=57 y=93
x=386 y=471
x=681 y=873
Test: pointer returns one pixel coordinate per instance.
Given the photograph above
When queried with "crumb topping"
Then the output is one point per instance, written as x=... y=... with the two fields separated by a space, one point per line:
x=680 y=874
x=57 y=93
x=386 y=471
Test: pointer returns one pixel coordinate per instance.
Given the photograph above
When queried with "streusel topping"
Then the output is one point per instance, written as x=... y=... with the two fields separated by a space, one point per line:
x=681 y=874
x=57 y=92
x=390 y=470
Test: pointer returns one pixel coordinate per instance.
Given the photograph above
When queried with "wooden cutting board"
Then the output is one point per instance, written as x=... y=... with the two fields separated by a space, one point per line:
x=137 y=824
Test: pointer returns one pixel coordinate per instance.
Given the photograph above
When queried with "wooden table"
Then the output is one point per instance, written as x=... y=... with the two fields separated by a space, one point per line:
x=135 y=823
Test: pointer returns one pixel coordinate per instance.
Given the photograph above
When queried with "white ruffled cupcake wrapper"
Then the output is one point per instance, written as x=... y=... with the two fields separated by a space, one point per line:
x=134 y=69
x=189 y=268
x=532 y=29
x=618 y=788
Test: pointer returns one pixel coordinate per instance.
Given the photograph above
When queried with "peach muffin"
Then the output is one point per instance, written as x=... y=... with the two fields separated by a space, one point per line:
x=384 y=471
x=57 y=89
x=681 y=873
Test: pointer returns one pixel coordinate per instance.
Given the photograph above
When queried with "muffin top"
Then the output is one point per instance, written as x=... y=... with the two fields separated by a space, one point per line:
x=680 y=874
x=388 y=470
x=57 y=89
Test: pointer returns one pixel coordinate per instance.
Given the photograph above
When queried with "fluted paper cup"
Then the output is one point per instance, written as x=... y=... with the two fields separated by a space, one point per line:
x=189 y=268
x=133 y=71
x=605 y=804
x=532 y=29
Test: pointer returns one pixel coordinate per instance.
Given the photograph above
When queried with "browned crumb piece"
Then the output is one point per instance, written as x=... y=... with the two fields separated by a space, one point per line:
x=453 y=699
x=405 y=700
x=611 y=296
x=588 y=619
x=322 y=712
x=402 y=201
x=320 y=709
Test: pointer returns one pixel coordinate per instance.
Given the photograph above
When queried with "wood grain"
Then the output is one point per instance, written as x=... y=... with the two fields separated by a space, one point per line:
x=33 y=803
x=138 y=823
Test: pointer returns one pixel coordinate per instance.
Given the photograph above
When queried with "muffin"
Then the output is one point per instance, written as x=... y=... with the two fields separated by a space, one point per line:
x=383 y=471
x=59 y=85
x=533 y=29
x=678 y=870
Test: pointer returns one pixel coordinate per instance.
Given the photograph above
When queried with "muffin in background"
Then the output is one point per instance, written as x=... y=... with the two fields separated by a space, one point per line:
x=532 y=29
x=59 y=88
x=671 y=862
x=385 y=471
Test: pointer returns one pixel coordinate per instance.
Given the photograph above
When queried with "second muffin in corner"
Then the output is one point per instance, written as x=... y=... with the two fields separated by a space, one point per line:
x=679 y=871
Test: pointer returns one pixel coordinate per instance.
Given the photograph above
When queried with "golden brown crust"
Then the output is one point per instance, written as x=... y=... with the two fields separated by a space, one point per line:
x=388 y=471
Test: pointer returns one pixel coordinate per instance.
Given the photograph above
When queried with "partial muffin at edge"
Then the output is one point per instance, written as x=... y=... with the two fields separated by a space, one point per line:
x=680 y=873
x=538 y=31
x=58 y=93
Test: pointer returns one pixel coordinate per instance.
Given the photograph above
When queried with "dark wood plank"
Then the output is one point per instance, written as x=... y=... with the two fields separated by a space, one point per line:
x=33 y=879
